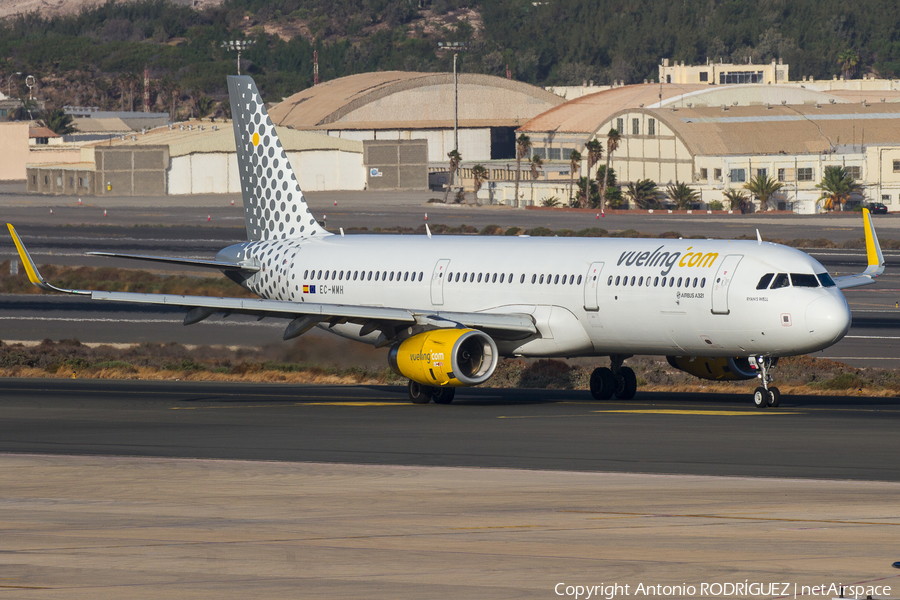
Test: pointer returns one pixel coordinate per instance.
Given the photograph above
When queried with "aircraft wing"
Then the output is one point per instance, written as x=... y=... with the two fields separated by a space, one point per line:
x=190 y=262
x=304 y=315
x=874 y=258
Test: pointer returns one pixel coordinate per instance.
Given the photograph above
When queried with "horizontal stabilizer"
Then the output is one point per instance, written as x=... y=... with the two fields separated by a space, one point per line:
x=189 y=262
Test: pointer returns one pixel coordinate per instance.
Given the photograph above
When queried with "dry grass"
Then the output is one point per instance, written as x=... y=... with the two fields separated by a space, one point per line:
x=290 y=363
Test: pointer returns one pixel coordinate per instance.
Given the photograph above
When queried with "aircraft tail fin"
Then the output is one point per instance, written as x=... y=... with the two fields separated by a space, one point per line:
x=274 y=206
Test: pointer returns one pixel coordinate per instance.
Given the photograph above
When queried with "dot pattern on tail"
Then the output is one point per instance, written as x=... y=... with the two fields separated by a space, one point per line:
x=274 y=206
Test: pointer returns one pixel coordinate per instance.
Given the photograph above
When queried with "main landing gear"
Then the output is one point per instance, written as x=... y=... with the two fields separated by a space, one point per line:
x=618 y=380
x=765 y=395
x=423 y=394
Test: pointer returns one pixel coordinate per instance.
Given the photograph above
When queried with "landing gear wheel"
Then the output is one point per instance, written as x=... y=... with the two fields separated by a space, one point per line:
x=418 y=393
x=761 y=397
x=628 y=386
x=774 y=397
x=443 y=395
x=603 y=384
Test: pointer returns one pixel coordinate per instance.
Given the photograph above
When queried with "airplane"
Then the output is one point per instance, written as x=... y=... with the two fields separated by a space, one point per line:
x=448 y=307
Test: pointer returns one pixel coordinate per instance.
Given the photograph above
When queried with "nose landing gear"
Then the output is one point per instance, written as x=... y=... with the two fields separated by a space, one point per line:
x=765 y=395
x=618 y=381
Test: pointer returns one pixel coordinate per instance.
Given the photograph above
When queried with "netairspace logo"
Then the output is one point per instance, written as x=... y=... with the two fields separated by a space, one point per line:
x=741 y=589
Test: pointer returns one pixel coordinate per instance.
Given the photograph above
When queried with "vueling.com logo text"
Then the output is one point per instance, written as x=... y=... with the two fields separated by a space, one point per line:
x=667 y=260
x=427 y=356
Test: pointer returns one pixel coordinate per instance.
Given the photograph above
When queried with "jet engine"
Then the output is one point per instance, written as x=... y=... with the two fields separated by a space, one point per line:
x=445 y=357
x=720 y=369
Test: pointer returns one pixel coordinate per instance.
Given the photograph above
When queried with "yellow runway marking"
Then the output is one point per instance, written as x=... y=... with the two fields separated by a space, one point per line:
x=727 y=413
x=355 y=404
x=361 y=403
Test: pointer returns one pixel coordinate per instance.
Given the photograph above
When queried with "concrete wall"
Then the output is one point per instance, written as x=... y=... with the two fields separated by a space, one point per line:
x=14 y=142
x=396 y=165
x=130 y=171
x=60 y=180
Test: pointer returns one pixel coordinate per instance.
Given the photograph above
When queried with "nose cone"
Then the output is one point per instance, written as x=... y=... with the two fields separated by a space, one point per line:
x=828 y=319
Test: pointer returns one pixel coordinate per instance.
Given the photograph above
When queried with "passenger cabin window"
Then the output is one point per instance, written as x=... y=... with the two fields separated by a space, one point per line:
x=826 y=280
x=804 y=280
x=764 y=281
x=781 y=280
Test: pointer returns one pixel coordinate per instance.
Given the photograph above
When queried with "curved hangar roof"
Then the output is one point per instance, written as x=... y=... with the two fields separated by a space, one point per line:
x=802 y=129
x=403 y=100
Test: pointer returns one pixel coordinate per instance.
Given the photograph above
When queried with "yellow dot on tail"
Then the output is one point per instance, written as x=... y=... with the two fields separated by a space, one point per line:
x=256 y=139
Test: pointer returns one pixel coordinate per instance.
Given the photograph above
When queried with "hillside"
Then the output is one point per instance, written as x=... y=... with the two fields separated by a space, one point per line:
x=96 y=55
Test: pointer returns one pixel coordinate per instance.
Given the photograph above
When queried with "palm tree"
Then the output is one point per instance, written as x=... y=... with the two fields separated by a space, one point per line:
x=848 y=60
x=612 y=144
x=574 y=163
x=682 y=195
x=480 y=175
x=643 y=194
x=837 y=186
x=205 y=106
x=24 y=112
x=57 y=121
x=737 y=199
x=523 y=146
x=587 y=191
x=537 y=165
x=595 y=153
x=455 y=158
x=763 y=187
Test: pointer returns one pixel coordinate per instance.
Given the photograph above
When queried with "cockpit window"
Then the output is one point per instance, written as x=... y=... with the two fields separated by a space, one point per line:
x=764 y=281
x=826 y=280
x=781 y=280
x=804 y=280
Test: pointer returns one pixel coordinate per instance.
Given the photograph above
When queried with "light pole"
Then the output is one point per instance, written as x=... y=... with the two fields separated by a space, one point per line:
x=457 y=47
x=30 y=81
x=239 y=45
x=8 y=79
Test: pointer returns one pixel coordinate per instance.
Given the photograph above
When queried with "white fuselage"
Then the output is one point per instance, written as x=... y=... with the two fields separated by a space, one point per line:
x=587 y=296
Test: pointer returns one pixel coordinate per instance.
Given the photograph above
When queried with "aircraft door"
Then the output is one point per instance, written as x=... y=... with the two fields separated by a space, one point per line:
x=437 y=281
x=722 y=282
x=591 y=286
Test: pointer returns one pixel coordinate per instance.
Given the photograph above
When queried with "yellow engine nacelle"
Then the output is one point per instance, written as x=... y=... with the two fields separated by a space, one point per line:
x=445 y=357
x=720 y=369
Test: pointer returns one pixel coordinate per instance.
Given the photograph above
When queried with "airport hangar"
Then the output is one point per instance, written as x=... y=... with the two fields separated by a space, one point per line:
x=397 y=105
x=190 y=158
x=372 y=130
x=718 y=137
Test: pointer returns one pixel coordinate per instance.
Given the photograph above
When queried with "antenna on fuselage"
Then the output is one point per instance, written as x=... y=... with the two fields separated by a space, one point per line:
x=758 y=238
x=427 y=230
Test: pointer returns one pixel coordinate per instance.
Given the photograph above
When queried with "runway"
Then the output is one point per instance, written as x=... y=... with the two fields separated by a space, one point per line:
x=808 y=437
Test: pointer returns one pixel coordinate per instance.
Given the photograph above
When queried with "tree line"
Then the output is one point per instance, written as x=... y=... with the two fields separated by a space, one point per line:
x=94 y=56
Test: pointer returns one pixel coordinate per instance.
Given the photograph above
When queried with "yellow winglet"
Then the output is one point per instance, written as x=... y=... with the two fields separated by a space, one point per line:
x=34 y=276
x=875 y=258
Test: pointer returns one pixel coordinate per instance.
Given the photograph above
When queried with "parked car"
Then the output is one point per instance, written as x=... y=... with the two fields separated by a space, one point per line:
x=877 y=208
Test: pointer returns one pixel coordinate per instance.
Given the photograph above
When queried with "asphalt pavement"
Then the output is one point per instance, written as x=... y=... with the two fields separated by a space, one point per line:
x=807 y=437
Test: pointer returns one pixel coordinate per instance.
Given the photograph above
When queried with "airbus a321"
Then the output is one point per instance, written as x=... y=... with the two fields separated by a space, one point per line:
x=448 y=307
